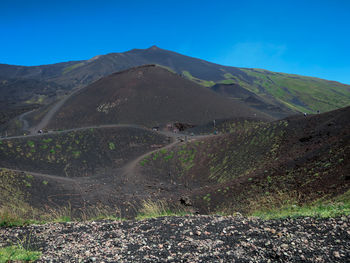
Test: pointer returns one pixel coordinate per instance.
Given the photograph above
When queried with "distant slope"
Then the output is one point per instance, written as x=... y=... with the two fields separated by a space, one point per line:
x=235 y=91
x=296 y=161
x=297 y=93
x=148 y=95
x=28 y=91
x=305 y=94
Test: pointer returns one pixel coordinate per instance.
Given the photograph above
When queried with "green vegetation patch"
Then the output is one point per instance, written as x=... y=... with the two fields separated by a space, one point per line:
x=316 y=210
x=111 y=146
x=76 y=153
x=31 y=144
x=305 y=94
x=202 y=82
x=153 y=209
x=70 y=68
x=47 y=140
x=18 y=253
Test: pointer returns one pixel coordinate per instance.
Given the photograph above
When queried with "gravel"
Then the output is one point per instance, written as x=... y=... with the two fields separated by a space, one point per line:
x=188 y=239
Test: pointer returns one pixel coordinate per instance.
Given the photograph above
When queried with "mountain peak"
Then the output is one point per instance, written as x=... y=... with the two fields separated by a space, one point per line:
x=154 y=47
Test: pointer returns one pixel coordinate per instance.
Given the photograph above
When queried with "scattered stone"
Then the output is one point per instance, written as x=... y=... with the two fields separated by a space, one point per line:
x=188 y=239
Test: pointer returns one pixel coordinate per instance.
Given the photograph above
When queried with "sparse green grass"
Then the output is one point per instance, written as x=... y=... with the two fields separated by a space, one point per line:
x=20 y=216
x=76 y=152
x=322 y=208
x=10 y=219
x=18 y=253
x=47 y=140
x=70 y=68
x=31 y=144
x=317 y=210
x=305 y=94
x=111 y=146
x=153 y=209
x=202 y=82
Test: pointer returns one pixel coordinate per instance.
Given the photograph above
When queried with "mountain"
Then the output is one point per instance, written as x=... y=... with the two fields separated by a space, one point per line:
x=293 y=92
x=148 y=95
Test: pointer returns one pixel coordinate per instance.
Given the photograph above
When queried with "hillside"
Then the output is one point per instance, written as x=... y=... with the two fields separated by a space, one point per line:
x=148 y=95
x=293 y=92
x=77 y=153
x=235 y=91
x=252 y=167
x=28 y=91
x=259 y=166
x=78 y=169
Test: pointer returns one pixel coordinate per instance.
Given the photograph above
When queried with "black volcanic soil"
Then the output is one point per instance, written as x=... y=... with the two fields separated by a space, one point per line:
x=82 y=152
x=189 y=239
x=235 y=91
x=81 y=169
x=294 y=161
x=9 y=112
x=149 y=96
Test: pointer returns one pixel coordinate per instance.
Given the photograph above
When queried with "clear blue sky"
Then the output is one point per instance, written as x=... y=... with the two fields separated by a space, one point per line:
x=308 y=37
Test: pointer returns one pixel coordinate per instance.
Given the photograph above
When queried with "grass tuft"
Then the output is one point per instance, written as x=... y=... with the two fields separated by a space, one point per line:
x=14 y=217
x=18 y=254
x=153 y=209
x=318 y=210
x=337 y=206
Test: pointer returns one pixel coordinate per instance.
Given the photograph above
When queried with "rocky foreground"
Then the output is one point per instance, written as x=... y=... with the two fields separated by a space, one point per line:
x=189 y=239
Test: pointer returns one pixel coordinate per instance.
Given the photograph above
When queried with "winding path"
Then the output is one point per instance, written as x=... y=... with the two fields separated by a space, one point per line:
x=91 y=187
x=45 y=121
x=48 y=116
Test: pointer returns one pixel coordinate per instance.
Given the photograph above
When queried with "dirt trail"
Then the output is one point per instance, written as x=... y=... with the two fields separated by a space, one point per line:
x=78 y=129
x=48 y=116
x=45 y=121
x=137 y=186
x=25 y=123
x=48 y=176
x=129 y=168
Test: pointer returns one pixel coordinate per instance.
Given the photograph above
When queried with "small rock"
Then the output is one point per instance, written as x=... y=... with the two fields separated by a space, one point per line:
x=336 y=254
x=284 y=246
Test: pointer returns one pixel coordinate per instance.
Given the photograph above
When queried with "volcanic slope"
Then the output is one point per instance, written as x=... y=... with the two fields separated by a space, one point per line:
x=80 y=168
x=288 y=92
x=235 y=91
x=77 y=153
x=296 y=161
x=148 y=95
